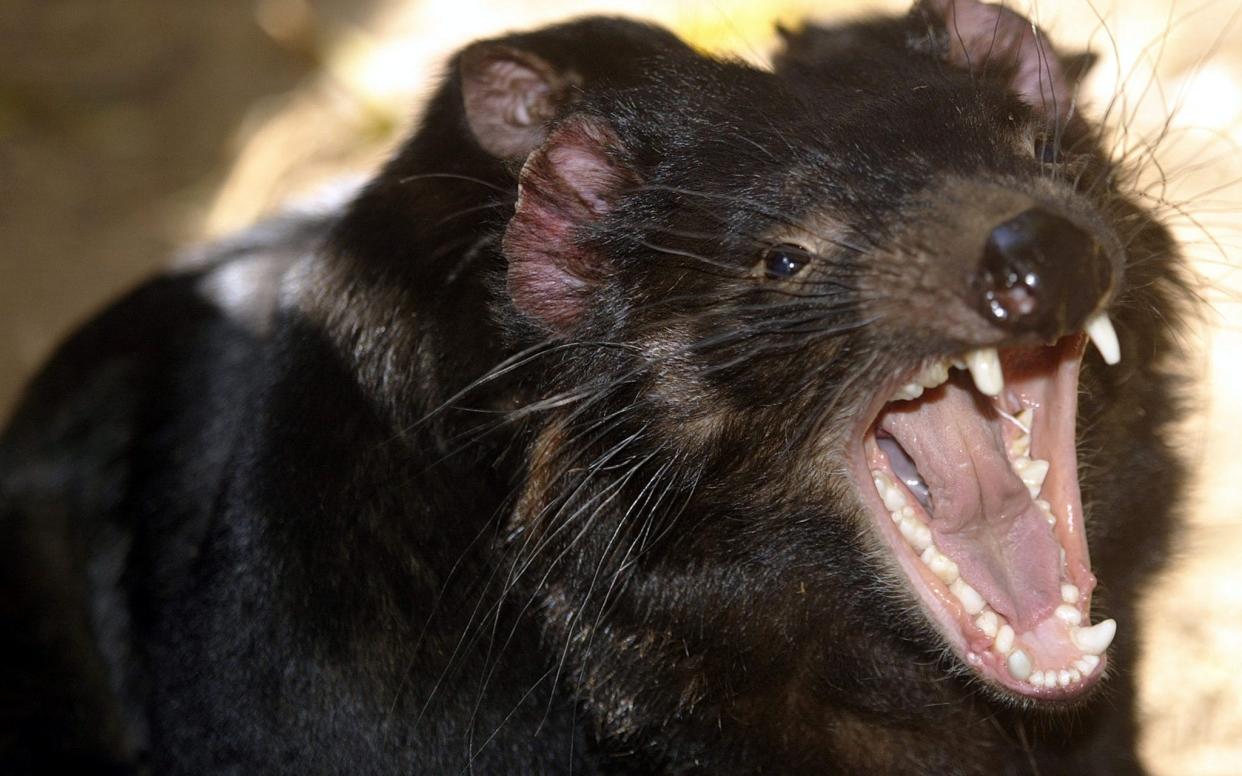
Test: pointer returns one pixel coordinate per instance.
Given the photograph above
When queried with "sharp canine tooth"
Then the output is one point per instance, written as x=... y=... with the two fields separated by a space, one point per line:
x=972 y=602
x=1004 y=639
x=1087 y=663
x=1069 y=614
x=985 y=368
x=1095 y=639
x=1019 y=665
x=1101 y=332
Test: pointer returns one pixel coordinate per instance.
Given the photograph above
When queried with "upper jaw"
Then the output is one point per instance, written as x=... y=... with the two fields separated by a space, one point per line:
x=1010 y=593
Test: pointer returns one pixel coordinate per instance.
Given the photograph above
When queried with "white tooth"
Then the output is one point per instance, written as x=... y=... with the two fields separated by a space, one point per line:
x=1069 y=593
x=1063 y=678
x=894 y=499
x=1033 y=474
x=922 y=537
x=1004 y=639
x=1075 y=677
x=944 y=568
x=934 y=375
x=1025 y=418
x=907 y=392
x=985 y=368
x=882 y=482
x=1019 y=665
x=988 y=622
x=917 y=534
x=1087 y=663
x=1101 y=332
x=907 y=512
x=1095 y=639
x=907 y=529
x=1046 y=508
x=972 y=602
x=1069 y=614
x=1037 y=678
x=1021 y=446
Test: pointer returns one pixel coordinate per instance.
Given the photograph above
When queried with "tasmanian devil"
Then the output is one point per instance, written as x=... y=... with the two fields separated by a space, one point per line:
x=647 y=412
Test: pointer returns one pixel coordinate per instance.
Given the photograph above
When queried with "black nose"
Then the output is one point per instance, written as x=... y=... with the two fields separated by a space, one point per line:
x=1040 y=274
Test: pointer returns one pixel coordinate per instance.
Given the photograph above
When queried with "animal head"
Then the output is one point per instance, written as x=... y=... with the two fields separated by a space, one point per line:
x=818 y=337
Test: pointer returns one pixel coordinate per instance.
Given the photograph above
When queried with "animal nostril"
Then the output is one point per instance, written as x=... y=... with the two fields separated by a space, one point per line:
x=1040 y=273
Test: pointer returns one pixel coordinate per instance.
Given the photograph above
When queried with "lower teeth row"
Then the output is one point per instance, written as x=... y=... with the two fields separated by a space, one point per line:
x=992 y=624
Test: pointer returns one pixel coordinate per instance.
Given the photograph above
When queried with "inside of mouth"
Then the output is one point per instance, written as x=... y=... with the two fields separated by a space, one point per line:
x=978 y=496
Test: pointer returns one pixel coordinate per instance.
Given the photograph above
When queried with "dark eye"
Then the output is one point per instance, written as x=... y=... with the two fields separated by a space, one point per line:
x=1047 y=150
x=785 y=260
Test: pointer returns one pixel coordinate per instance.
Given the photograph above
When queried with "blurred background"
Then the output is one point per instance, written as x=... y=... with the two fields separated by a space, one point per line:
x=132 y=128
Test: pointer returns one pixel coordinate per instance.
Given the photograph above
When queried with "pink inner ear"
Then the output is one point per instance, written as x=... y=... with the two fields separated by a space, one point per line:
x=589 y=175
x=508 y=95
x=566 y=186
x=983 y=35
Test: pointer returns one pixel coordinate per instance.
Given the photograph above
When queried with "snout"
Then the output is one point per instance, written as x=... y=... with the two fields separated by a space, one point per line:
x=1040 y=274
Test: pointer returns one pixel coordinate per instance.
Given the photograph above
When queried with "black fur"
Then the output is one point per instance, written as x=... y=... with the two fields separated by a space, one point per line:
x=391 y=521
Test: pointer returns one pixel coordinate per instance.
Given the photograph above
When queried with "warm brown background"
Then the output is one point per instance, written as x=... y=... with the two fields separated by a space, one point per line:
x=131 y=127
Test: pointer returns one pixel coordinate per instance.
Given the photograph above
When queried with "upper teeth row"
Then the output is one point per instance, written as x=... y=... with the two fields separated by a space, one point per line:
x=983 y=363
x=985 y=367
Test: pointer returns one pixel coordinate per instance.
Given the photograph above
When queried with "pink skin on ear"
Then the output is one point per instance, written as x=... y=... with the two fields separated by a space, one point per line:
x=508 y=94
x=566 y=185
x=983 y=36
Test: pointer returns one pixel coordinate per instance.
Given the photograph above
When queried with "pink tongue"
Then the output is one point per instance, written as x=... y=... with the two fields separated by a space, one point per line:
x=982 y=515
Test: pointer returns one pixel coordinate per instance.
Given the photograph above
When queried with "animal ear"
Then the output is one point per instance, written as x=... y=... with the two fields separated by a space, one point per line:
x=566 y=187
x=987 y=38
x=509 y=96
x=1077 y=64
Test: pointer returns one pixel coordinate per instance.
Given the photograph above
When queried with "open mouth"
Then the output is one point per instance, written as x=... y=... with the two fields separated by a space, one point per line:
x=970 y=473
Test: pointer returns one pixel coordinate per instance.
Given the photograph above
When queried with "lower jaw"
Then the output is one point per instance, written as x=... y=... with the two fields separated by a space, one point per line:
x=1042 y=662
x=979 y=648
